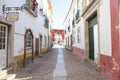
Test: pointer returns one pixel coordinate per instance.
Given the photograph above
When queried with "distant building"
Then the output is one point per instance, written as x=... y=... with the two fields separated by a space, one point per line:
x=58 y=36
x=29 y=36
x=92 y=32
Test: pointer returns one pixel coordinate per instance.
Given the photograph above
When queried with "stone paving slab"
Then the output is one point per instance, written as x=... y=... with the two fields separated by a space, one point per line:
x=78 y=70
x=59 y=78
x=43 y=68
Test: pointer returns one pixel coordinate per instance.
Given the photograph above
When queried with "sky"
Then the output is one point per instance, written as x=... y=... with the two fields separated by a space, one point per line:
x=60 y=9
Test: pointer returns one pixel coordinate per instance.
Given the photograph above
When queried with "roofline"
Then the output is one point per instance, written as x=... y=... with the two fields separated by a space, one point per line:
x=68 y=11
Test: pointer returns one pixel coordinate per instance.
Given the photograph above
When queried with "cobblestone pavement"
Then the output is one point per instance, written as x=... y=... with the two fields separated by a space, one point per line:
x=78 y=70
x=43 y=68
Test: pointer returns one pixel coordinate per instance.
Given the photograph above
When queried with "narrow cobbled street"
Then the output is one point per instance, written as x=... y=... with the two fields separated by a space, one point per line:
x=58 y=64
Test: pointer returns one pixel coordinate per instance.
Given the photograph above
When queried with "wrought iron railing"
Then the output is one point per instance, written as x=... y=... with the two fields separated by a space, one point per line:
x=77 y=15
x=73 y=22
x=32 y=7
x=46 y=24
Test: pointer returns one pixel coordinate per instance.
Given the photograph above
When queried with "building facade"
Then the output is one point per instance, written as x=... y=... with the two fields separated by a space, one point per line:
x=58 y=36
x=26 y=38
x=95 y=33
x=110 y=64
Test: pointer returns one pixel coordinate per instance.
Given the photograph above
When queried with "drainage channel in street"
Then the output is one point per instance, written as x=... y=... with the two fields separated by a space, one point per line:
x=60 y=71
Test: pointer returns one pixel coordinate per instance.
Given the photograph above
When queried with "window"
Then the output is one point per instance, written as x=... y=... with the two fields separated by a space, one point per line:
x=69 y=25
x=2 y=37
x=29 y=41
x=78 y=10
x=78 y=34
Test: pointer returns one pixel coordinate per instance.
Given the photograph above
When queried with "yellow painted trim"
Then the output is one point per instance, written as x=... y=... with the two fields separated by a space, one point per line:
x=45 y=49
x=21 y=57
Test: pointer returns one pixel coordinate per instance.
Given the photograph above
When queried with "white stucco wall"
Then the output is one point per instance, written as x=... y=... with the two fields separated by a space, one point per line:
x=26 y=20
x=105 y=28
x=80 y=24
x=96 y=50
x=82 y=35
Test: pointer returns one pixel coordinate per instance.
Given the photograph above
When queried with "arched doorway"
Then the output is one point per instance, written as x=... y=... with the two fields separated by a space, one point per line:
x=28 y=47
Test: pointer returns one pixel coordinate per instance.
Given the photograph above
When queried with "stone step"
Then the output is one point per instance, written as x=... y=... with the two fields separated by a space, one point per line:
x=4 y=74
x=8 y=77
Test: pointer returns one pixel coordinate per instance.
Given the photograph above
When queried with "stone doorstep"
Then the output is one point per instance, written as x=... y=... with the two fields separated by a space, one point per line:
x=4 y=74
x=69 y=49
x=92 y=64
x=8 y=77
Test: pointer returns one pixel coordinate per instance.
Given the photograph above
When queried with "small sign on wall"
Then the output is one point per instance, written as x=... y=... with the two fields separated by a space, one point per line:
x=12 y=16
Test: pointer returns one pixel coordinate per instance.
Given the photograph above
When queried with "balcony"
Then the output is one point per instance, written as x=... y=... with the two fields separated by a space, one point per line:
x=78 y=16
x=73 y=23
x=46 y=23
x=69 y=28
x=31 y=7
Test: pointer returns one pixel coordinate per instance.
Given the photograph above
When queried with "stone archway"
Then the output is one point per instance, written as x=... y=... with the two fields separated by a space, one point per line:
x=28 y=46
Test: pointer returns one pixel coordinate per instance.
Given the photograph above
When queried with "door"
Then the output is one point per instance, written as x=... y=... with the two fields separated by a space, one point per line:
x=71 y=42
x=36 y=46
x=91 y=23
x=40 y=45
x=91 y=43
x=3 y=45
x=68 y=41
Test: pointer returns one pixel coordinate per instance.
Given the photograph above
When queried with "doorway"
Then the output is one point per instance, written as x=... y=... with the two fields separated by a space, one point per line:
x=91 y=23
x=28 y=47
x=71 y=42
x=3 y=45
x=68 y=41
x=40 y=45
x=36 y=46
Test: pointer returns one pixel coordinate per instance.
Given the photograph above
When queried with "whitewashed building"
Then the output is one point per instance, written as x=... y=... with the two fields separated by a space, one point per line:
x=85 y=21
x=74 y=28
x=95 y=33
x=21 y=40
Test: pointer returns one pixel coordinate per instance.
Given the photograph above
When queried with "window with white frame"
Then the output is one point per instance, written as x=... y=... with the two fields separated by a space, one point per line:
x=29 y=40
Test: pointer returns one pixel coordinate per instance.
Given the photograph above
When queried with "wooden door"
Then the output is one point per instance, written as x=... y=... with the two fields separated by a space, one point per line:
x=91 y=23
x=37 y=46
x=40 y=46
